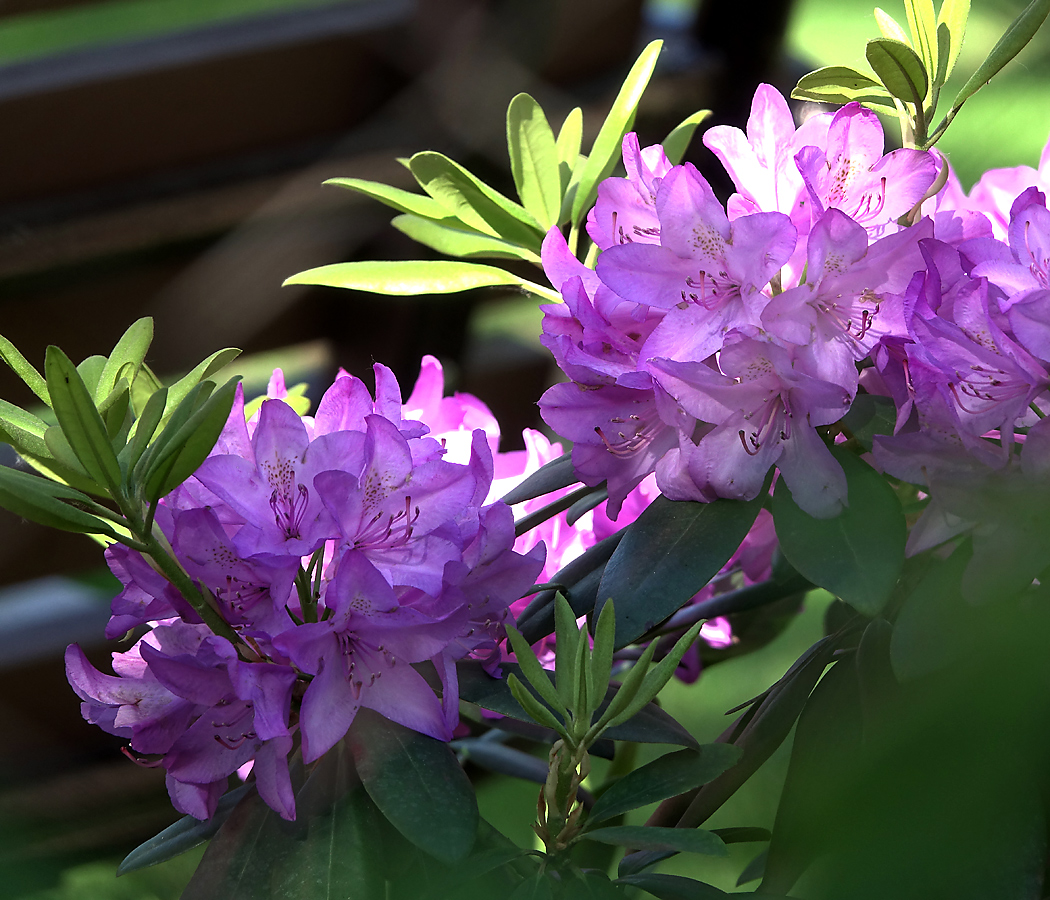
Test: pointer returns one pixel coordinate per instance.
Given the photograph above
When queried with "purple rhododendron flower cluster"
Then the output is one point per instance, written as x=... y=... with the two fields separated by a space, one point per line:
x=711 y=342
x=341 y=548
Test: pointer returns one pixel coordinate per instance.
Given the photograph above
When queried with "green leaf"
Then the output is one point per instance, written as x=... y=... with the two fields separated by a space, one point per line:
x=412 y=277
x=870 y=415
x=535 y=711
x=669 y=553
x=416 y=782
x=81 y=424
x=922 y=20
x=569 y=139
x=58 y=449
x=1020 y=32
x=841 y=85
x=402 y=201
x=537 y=887
x=951 y=22
x=677 y=141
x=48 y=503
x=190 y=446
x=176 y=419
x=652 y=837
x=628 y=691
x=602 y=655
x=899 y=69
x=534 y=160
x=22 y=368
x=568 y=634
x=130 y=351
x=890 y=27
x=203 y=370
x=858 y=554
x=552 y=476
x=451 y=237
x=606 y=150
x=183 y=835
x=22 y=430
x=90 y=370
x=673 y=887
x=742 y=835
x=474 y=202
x=145 y=427
x=667 y=776
x=532 y=670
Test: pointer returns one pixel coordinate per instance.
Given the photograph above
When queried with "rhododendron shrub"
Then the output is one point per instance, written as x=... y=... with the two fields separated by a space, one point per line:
x=837 y=378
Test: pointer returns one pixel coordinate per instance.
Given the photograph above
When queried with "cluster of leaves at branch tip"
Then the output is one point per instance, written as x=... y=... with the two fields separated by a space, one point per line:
x=910 y=68
x=121 y=441
x=461 y=216
x=568 y=706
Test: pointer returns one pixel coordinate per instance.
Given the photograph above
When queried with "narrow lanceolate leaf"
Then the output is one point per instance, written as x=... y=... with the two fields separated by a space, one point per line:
x=24 y=370
x=606 y=149
x=858 y=554
x=48 y=503
x=666 y=776
x=191 y=444
x=661 y=673
x=22 y=430
x=604 y=641
x=890 y=27
x=552 y=476
x=1020 y=32
x=145 y=427
x=416 y=782
x=569 y=139
x=79 y=419
x=900 y=70
x=841 y=85
x=677 y=141
x=205 y=369
x=951 y=22
x=402 y=201
x=453 y=238
x=651 y=837
x=922 y=20
x=407 y=278
x=164 y=444
x=535 y=673
x=129 y=353
x=475 y=203
x=534 y=159
x=669 y=553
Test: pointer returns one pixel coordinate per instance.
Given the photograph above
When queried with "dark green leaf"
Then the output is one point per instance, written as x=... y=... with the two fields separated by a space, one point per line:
x=183 y=835
x=669 y=553
x=537 y=711
x=541 y=515
x=742 y=835
x=607 y=145
x=841 y=85
x=534 y=160
x=552 y=476
x=191 y=444
x=48 y=503
x=22 y=368
x=412 y=277
x=474 y=202
x=677 y=141
x=129 y=352
x=538 y=887
x=667 y=776
x=899 y=69
x=79 y=419
x=857 y=555
x=870 y=415
x=415 y=781
x=672 y=887
x=402 y=201
x=650 y=837
x=453 y=238
x=754 y=869
x=534 y=673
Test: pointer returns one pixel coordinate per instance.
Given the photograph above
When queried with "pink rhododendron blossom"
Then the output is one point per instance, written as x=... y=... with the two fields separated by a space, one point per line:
x=340 y=549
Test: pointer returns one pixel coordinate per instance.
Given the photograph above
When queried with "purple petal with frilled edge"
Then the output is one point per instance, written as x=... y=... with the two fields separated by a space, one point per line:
x=343 y=406
x=428 y=390
x=100 y=693
x=855 y=143
x=559 y=264
x=234 y=438
x=401 y=694
x=197 y=800
x=896 y=183
x=215 y=746
x=272 y=778
x=653 y=275
x=279 y=442
x=835 y=243
x=446 y=670
x=482 y=467
x=328 y=708
x=692 y=220
x=760 y=245
x=791 y=317
x=692 y=333
x=186 y=678
x=1030 y=321
x=268 y=688
x=814 y=477
x=158 y=733
x=721 y=464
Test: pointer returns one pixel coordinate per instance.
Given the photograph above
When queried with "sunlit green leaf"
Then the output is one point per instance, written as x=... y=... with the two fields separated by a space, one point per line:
x=129 y=351
x=205 y=369
x=841 y=85
x=48 y=503
x=951 y=20
x=569 y=139
x=677 y=140
x=606 y=150
x=451 y=237
x=396 y=198
x=889 y=26
x=24 y=370
x=922 y=20
x=534 y=159
x=900 y=70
